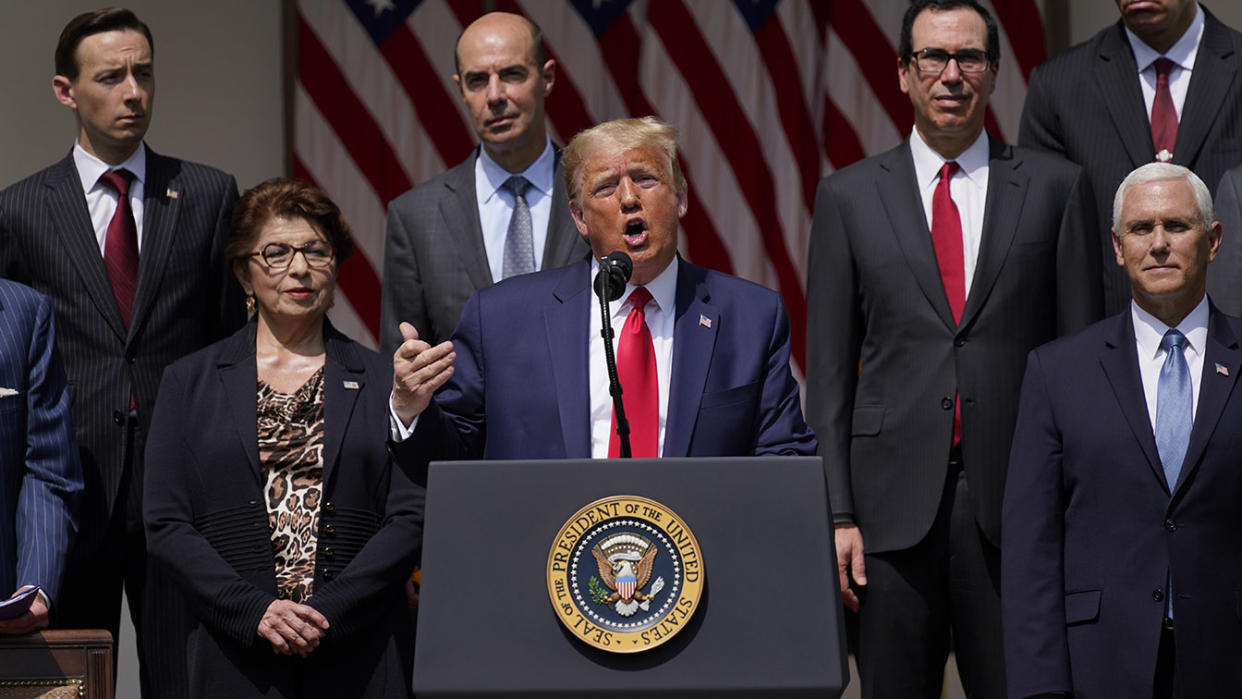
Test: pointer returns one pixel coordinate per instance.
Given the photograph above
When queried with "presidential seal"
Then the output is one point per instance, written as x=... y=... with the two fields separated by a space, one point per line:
x=625 y=574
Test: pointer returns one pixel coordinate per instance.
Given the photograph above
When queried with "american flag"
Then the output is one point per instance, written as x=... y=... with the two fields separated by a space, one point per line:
x=769 y=96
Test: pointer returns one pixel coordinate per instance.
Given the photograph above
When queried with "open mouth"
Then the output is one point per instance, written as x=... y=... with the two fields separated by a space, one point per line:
x=635 y=232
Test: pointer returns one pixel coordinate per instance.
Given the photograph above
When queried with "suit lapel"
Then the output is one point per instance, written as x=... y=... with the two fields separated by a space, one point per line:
x=161 y=203
x=460 y=210
x=341 y=366
x=562 y=234
x=240 y=379
x=1007 y=188
x=72 y=222
x=903 y=204
x=1214 y=389
x=1116 y=77
x=1212 y=79
x=1119 y=359
x=565 y=321
x=693 y=345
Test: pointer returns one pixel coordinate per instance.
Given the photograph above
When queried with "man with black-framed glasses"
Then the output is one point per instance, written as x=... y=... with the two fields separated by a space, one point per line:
x=934 y=268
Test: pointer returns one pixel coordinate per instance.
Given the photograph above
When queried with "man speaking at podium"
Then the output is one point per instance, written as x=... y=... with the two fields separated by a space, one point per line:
x=703 y=357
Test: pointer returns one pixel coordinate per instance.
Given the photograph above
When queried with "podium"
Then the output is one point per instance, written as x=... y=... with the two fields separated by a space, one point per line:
x=767 y=623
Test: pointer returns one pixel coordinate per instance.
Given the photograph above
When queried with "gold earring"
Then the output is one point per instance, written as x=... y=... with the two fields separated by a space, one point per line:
x=250 y=305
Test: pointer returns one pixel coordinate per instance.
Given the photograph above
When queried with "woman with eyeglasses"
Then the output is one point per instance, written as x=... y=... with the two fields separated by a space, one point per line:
x=270 y=492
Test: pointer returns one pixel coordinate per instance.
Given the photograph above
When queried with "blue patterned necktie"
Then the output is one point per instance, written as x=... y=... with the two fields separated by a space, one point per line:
x=1173 y=406
x=519 y=243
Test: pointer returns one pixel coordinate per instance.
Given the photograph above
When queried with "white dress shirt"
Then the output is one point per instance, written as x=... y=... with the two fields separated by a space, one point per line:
x=1148 y=330
x=1182 y=54
x=496 y=204
x=101 y=199
x=969 y=189
x=660 y=316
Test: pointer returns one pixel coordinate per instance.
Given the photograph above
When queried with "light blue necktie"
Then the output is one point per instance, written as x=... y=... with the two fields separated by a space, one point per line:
x=1174 y=402
x=519 y=241
x=1173 y=407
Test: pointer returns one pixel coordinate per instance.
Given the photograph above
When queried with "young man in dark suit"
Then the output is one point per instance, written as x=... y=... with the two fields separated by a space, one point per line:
x=128 y=244
x=934 y=268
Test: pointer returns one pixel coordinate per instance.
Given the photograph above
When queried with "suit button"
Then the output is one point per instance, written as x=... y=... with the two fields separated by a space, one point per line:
x=1169 y=526
x=329 y=529
x=129 y=359
x=1157 y=595
x=960 y=342
x=328 y=575
x=118 y=417
x=329 y=507
x=946 y=403
x=329 y=553
x=254 y=502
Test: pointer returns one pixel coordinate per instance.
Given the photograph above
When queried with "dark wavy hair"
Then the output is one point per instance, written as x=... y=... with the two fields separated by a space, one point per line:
x=107 y=19
x=904 y=47
x=286 y=198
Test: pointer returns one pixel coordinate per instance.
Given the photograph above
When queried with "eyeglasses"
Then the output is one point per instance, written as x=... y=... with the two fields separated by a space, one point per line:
x=317 y=253
x=933 y=61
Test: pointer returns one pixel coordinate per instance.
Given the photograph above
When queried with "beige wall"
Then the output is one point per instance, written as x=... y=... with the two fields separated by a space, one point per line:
x=218 y=93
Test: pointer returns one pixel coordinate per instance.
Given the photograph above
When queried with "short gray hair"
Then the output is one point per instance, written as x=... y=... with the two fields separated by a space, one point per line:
x=1156 y=172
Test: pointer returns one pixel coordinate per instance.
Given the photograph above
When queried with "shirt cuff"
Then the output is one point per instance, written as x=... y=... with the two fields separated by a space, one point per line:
x=398 y=431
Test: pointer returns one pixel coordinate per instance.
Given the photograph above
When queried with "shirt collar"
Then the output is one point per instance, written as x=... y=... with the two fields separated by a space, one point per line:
x=1148 y=329
x=540 y=174
x=90 y=168
x=927 y=162
x=663 y=289
x=1182 y=53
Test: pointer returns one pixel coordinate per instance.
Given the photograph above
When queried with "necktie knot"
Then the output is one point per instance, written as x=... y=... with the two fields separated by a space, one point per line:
x=948 y=170
x=517 y=186
x=639 y=297
x=1163 y=66
x=118 y=180
x=1173 y=339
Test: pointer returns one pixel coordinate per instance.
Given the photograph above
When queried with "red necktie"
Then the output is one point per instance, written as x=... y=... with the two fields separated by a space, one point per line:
x=1163 y=114
x=640 y=390
x=121 y=243
x=946 y=232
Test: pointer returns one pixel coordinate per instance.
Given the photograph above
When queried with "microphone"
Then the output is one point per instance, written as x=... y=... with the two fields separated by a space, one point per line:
x=614 y=272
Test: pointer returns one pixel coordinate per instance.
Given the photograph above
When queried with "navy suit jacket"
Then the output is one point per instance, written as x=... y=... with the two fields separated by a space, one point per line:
x=207 y=521
x=42 y=477
x=1091 y=527
x=520 y=389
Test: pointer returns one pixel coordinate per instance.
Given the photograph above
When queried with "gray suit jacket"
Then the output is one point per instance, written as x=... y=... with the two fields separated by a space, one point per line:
x=884 y=356
x=434 y=258
x=186 y=298
x=1086 y=106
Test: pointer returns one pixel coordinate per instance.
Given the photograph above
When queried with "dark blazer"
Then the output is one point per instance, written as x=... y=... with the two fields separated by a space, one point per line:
x=207 y=521
x=1091 y=528
x=520 y=386
x=39 y=467
x=434 y=257
x=1086 y=106
x=1224 y=284
x=884 y=357
x=186 y=298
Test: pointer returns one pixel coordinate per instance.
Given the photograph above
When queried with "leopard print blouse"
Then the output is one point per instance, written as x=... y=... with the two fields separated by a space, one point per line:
x=291 y=456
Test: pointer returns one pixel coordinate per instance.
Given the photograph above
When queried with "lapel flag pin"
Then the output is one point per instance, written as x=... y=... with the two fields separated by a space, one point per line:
x=1222 y=369
x=171 y=193
x=351 y=385
x=705 y=321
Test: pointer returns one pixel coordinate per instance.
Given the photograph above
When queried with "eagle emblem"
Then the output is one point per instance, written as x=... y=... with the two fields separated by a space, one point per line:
x=625 y=562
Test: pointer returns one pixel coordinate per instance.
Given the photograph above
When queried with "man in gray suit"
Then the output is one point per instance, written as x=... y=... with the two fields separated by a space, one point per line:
x=1167 y=63
x=501 y=212
x=934 y=268
x=129 y=246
